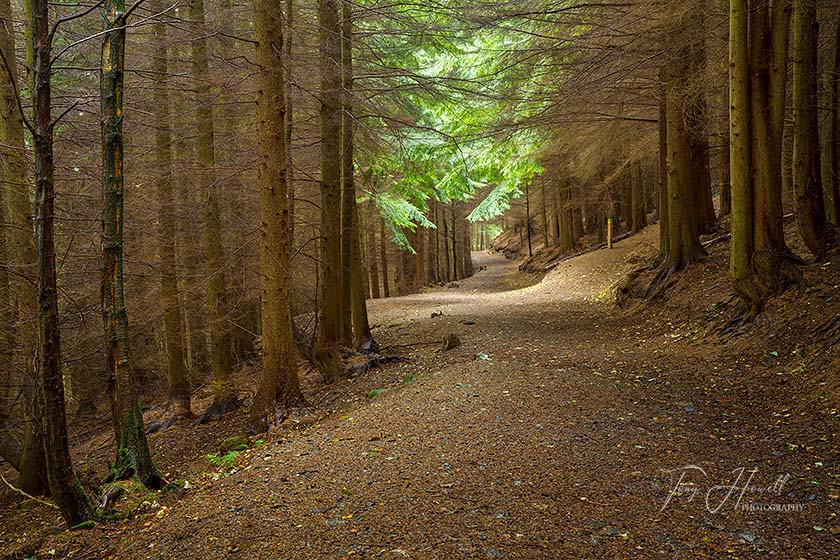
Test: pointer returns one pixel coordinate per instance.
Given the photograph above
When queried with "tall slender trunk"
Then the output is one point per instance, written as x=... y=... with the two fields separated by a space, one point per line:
x=467 y=265
x=683 y=223
x=373 y=266
x=431 y=243
x=190 y=258
x=696 y=120
x=383 y=257
x=564 y=214
x=834 y=129
x=554 y=216
x=64 y=485
x=637 y=195
x=289 y=118
x=133 y=456
x=243 y=313
x=9 y=449
x=724 y=167
x=190 y=254
x=447 y=253
x=279 y=385
x=179 y=386
x=546 y=240
x=662 y=179
x=22 y=253
x=362 y=337
x=440 y=275
x=577 y=215
x=331 y=326
x=224 y=398
x=817 y=233
x=742 y=245
x=528 y=217
x=759 y=266
x=453 y=231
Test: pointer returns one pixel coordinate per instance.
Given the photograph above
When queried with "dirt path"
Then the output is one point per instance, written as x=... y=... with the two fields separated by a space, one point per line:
x=554 y=447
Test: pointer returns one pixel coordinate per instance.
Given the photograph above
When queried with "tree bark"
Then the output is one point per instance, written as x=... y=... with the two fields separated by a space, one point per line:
x=331 y=332
x=224 y=397
x=564 y=214
x=466 y=245
x=348 y=187
x=64 y=485
x=362 y=338
x=817 y=233
x=684 y=246
x=288 y=122
x=279 y=385
x=372 y=247
x=662 y=185
x=759 y=265
x=9 y=450
x=133 y=456
x=637 y=195
x=834 y=129
x=724 y=167
x=21 y=248
x=383 y=257
x=179 y=385
x=528 y=218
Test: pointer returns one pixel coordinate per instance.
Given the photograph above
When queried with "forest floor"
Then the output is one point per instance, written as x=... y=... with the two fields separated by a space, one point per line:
x=557 y=429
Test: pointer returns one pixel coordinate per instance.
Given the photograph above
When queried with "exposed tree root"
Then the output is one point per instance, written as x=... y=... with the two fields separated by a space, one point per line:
x=373 y=361
x=664 y=273
x=219 y=408
x=742 y=323
x=328 y=361
x=369 y=346
x=276 y=415
x=175 y=411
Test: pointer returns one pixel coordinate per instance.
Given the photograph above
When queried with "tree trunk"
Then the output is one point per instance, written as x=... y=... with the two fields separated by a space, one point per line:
x=348 y=186
x=742 y=245
x=662 y=184
x=331 y=332
x=453 y=231
x=528 y=218
x=834 y=130
x=289 y=119
x=64 y=485
x=466 y=247
x=544 y=213
x=637 y=202
x=577 y=214
x=133 y=456
x=179 y=386
x=759 y=266
x=9 y=450
x=724 y=167
x=22 y=253
x=567 y=242
x=224 y=397
x=431 y=249
x=383 y=256
x=817 y=233
x=684 y=246
x=279 y=385
x=373 y=266
x=360 y=328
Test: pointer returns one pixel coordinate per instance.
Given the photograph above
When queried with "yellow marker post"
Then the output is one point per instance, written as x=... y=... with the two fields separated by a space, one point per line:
x=609 y=233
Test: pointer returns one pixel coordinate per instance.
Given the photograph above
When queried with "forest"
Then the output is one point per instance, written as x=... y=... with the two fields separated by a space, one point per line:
x=291 y=279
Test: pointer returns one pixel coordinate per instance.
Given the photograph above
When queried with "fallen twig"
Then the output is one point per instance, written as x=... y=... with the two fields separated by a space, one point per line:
x=25 y=495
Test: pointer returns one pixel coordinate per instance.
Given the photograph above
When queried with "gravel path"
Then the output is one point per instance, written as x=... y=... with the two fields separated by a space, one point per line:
x=544 y=435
